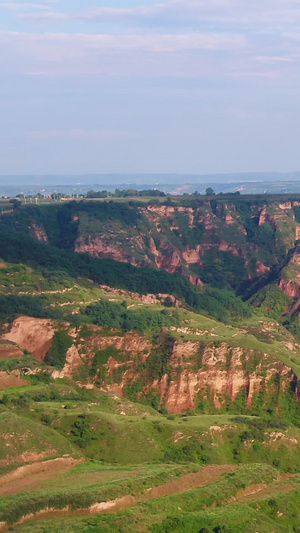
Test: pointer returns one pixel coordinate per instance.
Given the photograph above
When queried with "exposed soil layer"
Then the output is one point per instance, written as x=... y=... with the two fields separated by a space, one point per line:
x=11 y=380
x=208 y=474
x=31 y=334
x=261 y=492
x=29 y=477
x=8 y=351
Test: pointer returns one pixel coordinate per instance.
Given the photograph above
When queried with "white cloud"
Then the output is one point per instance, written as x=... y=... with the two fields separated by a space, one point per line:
x=185 y=55
x=80 y=134
x=125 y=55
x=271 y=60
x=183 y=38
x=24 y=6
x=152 y=42
x=266 y=13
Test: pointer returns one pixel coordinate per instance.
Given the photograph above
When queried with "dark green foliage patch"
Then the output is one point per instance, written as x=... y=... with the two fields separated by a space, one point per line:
x=56 y=356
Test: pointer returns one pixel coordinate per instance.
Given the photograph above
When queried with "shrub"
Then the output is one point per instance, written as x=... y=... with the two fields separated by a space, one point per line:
x=81 y=430
x=56 y=356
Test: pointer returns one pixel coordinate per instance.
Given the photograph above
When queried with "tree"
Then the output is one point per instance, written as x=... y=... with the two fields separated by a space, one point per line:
x=81 y=430
x=56 y=356
x=16 y=203
x=209 y=191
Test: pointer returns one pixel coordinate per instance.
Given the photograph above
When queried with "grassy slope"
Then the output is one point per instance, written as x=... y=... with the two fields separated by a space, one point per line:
x=121 y=432
x=269 y=501
x=21 y=437
x=136 y=438
x=247 y=517
x=247 y=333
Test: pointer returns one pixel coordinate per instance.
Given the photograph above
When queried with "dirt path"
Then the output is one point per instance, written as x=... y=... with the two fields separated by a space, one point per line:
x=262 y=490
x=256 y=492
x=29 y=477
x=208 y=474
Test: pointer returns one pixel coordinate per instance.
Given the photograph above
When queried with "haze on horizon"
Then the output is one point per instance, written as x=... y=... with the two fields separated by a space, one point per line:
x=141 y=86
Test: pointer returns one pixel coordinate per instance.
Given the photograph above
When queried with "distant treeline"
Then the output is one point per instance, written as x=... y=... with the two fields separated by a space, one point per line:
x=125 y=193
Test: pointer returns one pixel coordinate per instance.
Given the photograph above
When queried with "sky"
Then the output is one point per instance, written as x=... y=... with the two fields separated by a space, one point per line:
x=141 y=86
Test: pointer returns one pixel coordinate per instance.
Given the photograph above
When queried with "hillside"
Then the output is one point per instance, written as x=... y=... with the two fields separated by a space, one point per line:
x=244 y=244
x=138 y=390
x=242 y=237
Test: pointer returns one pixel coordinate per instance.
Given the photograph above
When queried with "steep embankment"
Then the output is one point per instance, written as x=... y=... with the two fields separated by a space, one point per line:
x=33 y=335
x=280 y=298
x=205 y=375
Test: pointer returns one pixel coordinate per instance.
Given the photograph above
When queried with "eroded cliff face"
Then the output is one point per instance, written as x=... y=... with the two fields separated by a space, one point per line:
x=100 y=246
x=32 y=334
x=183 y=239
x=225 y=372
x=289 y=287
x=182 y=375
x=12 y=379
x=290 y=276
x=180 y=239
x=38 y=232
x=198 y=377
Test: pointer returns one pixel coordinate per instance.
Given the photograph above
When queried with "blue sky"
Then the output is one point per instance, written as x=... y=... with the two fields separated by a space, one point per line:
x=185 y=86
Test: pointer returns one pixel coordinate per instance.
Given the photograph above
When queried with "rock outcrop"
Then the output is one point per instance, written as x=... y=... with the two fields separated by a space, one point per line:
x=32 y=334
x=196 y=373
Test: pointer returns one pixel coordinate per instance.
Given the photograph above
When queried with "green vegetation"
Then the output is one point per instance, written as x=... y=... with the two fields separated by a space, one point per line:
x=271 y=300
x=221 y=269
x=12 y=306
x=81 y=430
x=56 y=356
x=61 y=418
x=102 y=357
x=272 y=513
x=114 y=315
x=221 y=304
x=64 y=224
x=228 y=368
x=23 y=438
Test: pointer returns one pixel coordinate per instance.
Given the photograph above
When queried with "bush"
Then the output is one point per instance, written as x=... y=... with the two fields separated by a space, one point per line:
x=81 y=430
x=56 y=356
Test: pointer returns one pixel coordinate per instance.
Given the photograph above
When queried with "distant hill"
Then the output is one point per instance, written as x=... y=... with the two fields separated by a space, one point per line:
x=248 y=182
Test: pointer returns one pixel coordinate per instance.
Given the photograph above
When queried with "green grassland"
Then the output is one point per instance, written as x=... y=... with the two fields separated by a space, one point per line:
x=66 y=419
x=21 y=437
x=238 y=517
x=147 y=449
x=130 y=448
